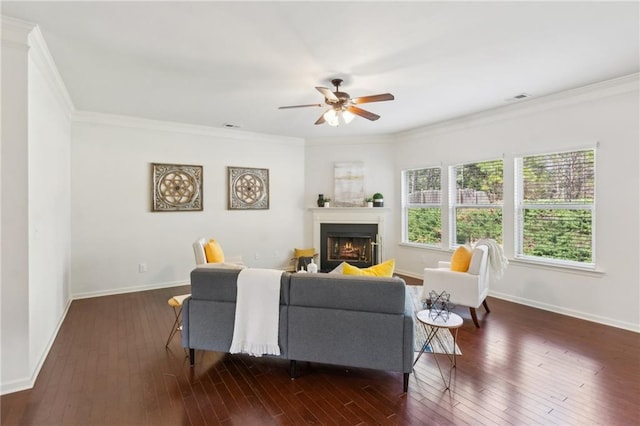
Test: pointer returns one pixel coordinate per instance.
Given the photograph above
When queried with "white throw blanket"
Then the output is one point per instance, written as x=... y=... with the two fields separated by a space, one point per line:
x=255 y=331
x=497 y=261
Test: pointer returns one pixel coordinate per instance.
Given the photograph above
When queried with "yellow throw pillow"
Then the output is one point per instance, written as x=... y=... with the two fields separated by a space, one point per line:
x=384 y=269
x=214 y=252
x=461 y=259
x=304 y=252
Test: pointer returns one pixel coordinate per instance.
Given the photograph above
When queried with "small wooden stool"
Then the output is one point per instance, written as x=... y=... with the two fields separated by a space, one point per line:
x=176 y=303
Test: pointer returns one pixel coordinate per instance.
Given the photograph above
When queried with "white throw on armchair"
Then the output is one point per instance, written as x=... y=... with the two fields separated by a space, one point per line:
x=465 y=288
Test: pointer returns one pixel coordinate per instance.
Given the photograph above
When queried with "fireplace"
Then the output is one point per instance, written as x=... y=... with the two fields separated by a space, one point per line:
x=355 y=243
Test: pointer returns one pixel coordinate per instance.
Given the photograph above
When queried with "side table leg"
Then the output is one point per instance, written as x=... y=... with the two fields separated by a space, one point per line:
x=430 y=334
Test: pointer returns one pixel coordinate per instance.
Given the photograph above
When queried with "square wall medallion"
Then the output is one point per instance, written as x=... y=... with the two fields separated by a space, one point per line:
x=248 y=188
x=176 y=187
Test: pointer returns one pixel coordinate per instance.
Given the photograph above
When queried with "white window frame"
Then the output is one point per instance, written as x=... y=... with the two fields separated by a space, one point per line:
x=406 y=205
x=453 y=204
x=520 y=207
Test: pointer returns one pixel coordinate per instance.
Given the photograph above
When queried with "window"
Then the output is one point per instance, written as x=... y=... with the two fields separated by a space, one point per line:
x=476 y=202
x=423 y=206
x=555 y=195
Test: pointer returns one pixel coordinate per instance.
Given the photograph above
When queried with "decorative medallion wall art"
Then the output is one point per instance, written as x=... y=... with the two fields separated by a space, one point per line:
x=248 y=188
x=176 y=187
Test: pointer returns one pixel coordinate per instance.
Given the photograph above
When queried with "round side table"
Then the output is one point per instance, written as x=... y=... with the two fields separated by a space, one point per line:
x=433 y=321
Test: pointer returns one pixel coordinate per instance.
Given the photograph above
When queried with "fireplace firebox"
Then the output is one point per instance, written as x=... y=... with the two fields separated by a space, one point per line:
x=353 y=243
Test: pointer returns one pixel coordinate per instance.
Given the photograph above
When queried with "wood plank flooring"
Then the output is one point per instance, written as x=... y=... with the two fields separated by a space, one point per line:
x=109 y=366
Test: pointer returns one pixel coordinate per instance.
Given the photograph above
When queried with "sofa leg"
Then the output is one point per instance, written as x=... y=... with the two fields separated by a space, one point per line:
x=405 y=382
x=486 y=307
x=474 y=317
x=192 y=356
x=292 y=369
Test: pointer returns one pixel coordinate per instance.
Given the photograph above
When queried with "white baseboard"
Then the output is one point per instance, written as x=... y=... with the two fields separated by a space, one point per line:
x=123 y=290
x=569 y=312
x=552 y=308
x=28 y=382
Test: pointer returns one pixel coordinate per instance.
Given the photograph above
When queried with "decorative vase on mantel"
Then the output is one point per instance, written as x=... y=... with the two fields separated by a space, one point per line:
x=320 y=200
x=378 y=200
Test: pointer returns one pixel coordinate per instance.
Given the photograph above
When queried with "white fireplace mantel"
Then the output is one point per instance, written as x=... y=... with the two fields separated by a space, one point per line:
x=349 y=215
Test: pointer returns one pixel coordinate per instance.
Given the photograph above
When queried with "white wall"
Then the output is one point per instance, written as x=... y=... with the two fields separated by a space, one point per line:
x=35 y=204
x=606 y=114
x=377 y=154
x=49 y=201
x=15 y=227
x=114 y=229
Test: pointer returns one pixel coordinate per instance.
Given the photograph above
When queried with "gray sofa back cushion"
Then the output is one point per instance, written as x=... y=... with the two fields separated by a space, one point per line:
x=219 y=284
x=368 y=294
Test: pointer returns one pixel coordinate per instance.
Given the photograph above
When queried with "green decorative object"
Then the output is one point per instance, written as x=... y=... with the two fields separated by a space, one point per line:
x=378 y=200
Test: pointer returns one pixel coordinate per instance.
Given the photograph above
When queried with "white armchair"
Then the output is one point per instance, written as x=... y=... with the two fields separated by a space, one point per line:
x=465 y=288
x=201 y=257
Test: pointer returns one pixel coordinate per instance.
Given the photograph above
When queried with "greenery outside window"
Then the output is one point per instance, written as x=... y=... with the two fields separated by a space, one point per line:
x=422 y=201
x=476 y=201
x=555 y=205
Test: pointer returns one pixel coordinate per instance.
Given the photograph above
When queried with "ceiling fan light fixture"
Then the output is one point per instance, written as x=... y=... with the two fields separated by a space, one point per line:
x=347 y=116
x=335 y=117
x=331 y=117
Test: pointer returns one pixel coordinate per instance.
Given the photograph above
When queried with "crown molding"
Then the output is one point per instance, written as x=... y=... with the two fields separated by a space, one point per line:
x=42 y=58
x=15 y=32
x=168 y=126
x=600 y=90
x=351 y=140
x=27 y=36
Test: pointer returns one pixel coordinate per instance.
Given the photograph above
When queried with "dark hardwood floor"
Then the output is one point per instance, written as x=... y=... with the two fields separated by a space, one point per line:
x=109 y=366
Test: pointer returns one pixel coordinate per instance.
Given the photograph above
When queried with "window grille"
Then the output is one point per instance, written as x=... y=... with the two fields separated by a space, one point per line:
x=555 y=206
x=422 y=205
x=476 y=199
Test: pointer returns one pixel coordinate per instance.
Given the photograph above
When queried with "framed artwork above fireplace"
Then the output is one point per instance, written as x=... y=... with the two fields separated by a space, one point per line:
x=348 y=184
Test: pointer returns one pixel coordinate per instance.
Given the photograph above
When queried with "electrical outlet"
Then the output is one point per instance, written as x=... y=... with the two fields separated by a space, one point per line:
x=256 y=256
x=142 y=267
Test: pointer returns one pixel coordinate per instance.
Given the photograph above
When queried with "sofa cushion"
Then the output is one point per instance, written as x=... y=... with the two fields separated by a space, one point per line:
x=384 y=269
x=219 y=284
x=338 y=269
x=369 y=294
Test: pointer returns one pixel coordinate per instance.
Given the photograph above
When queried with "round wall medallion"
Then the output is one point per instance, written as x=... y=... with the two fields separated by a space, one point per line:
x=178 y=188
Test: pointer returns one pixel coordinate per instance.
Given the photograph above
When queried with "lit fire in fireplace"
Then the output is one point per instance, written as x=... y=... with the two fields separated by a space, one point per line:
x=346 y=249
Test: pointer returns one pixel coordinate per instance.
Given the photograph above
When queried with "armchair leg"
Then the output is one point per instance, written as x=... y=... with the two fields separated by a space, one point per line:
x=405 y=382
x=474 y=316
x=192 y=357
x=484 y=303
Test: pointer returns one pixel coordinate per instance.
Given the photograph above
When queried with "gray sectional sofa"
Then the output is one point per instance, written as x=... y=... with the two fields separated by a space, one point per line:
x=354 y=321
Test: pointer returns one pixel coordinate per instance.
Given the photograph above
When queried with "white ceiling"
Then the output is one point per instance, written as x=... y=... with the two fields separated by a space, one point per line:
x=210 y=63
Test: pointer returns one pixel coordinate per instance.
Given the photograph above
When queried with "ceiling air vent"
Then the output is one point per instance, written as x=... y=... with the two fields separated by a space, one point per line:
x=518 y=97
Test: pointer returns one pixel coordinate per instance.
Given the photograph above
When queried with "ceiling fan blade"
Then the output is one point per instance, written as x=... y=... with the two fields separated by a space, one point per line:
x=299 y=106
x=362 y=113
x=373 y=98
x=327 y=93
x=320 y=120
